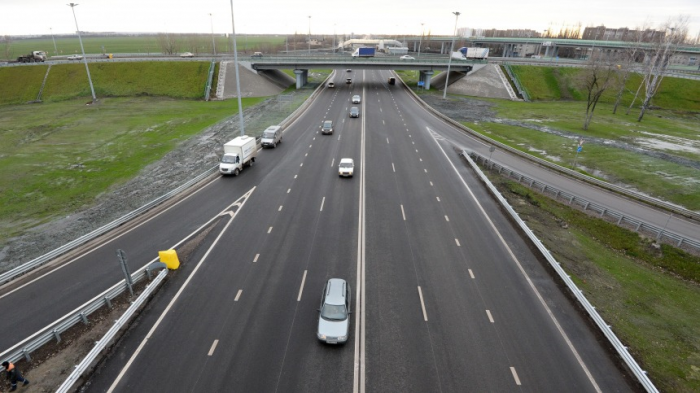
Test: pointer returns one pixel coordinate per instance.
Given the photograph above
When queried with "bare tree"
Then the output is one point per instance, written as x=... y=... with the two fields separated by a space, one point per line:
x=627 y=61
x=659 y=59
x=599 y=75
x=167 y=43
x=6 y=43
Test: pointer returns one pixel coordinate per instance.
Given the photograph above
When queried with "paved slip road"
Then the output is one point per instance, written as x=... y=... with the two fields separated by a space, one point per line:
x=447 y=297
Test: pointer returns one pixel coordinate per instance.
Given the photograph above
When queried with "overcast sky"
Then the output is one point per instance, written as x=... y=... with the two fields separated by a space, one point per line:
x=28 y=17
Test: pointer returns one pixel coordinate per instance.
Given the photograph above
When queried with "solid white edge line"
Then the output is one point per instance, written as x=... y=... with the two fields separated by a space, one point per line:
x=301 y=287
x=515 y=376
x=523 y=272
x=358 y=384
x=213 y=347
x=238 y=295
x=174 y=299
x=422 y=304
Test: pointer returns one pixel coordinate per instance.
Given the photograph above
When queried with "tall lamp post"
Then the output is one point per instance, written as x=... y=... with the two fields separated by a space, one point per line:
x=238 y=80
x=213 y=45
x=420 y=42
x=309 y=36
x=449 y=62
x=55 y=50
x=92 y=89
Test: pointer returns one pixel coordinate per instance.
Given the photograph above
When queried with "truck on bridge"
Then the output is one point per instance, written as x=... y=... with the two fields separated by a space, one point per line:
x=363 y=52
x=465 y=53
x=36 y=56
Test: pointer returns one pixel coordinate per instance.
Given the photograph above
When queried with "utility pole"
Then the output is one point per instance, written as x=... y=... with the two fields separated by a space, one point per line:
x=420 y=42
x=238 y=80
x=213 y=45
x=309 y=36
x=449 y=62
x=92 y=89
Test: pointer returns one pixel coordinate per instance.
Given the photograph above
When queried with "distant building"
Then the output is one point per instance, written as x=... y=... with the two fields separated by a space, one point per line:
x=602 y=33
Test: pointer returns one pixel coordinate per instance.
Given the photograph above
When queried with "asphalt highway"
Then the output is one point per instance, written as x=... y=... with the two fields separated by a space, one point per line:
x=447 y=296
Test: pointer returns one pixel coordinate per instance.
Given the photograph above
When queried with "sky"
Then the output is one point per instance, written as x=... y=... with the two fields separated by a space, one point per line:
x=358 y=17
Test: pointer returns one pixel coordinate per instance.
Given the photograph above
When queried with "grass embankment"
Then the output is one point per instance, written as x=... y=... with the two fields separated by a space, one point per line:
x=649 y=295
x=146 y=44
x=55 y=158
x=66 y=81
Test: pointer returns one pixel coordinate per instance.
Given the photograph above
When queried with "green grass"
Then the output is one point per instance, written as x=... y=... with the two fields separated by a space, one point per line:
x=142 y=44
x=20 y=84
x=56 y=158
x=555 y=83
x=649 y=296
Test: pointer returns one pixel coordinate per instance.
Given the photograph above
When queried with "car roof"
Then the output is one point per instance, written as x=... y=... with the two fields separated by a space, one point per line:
x=345 y=160
x=335 y=291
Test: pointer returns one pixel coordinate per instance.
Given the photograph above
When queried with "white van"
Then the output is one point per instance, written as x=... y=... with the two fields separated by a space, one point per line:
x=271 y=136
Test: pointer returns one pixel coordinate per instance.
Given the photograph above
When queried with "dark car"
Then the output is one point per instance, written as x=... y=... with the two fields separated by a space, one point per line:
x=327 y=127
x=354 y=112
x=392 y=81
x=348 y=81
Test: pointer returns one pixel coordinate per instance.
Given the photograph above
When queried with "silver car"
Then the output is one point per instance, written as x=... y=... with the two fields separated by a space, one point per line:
x=356 y=99
x=334 y=314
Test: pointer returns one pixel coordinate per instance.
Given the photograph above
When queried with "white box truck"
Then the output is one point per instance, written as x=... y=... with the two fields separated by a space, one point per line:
x=238 y=153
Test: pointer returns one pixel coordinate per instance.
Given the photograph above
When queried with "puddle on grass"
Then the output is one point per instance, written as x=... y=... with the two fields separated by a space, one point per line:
x=668 y=142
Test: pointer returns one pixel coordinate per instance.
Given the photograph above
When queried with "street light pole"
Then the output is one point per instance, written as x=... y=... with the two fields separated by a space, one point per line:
x=334 y=38
x=92 y=89
x=238 y=80
x=449 y=62
x=55 y=50
x=420 y=42
x=309 y=36
x=213 y=45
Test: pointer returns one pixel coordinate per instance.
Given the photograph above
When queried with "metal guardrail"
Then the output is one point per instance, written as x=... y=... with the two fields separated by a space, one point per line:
x=111 y=334
x=54 y=330
x=661 y=234
x=37 y=262
x=516 y=81
x=557 y=168
x=632 y=364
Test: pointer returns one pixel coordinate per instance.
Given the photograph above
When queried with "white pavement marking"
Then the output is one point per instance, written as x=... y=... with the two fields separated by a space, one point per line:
x=447 y=218
x=422 y=304
x=213 y=347
x=238 y=295
x=438 y=198
x=322 y=202
x=426 y=170
x=295 y=176
x=392 y=167
x=280 y=209
x=489 y=315
x=431 y=184
x=358 y=384
x=302 y=164
x=471 y=273
x=269 y=230
x=457 y=241
x=306 y=155
x=523 y=272
x=387 y=140
x=515 y=376
x=176 y=297
x=332 y=162
x=403 y=213
x=301 y=287
x=289 y=189
x=256 y=258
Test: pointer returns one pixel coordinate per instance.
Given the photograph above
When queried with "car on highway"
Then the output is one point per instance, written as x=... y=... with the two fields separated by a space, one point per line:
x=346 y=167
x=327 y=127
x=257 y=54
x=354 y=112
x=392 y=80
x=356 y=99
x=331 y=84
x=186 y=54
x=334 y=314
x=407 y=57
x=75 y=57
x=348 y=81
x=348 y=70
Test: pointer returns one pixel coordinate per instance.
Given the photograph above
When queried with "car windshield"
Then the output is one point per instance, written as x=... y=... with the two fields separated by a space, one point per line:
x=327 y=124
x=334 y=313
x=229 y=159
x=345 y=165
x=269 y=134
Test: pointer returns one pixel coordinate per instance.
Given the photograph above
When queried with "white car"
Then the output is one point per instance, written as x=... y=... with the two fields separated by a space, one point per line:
x=356 y=99
x=407 y=57
x=346 y=167
x=186 y=54
x=75 y=57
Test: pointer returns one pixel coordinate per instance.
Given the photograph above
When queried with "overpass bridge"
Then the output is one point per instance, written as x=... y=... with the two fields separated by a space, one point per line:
x=426 y=66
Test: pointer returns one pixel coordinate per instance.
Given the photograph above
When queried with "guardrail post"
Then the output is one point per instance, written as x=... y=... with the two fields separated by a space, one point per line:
x=571 y=200
x=84 y=318
x=680 y=242
x=108 y=302
x=26 y=354
x=57 y=335
x=639 y=225
x=620 y=219
x=585 y=207
x=602 y=212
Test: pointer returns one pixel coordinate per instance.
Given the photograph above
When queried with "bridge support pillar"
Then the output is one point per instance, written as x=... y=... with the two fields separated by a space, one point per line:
x=425 y=76
x=302 y=77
